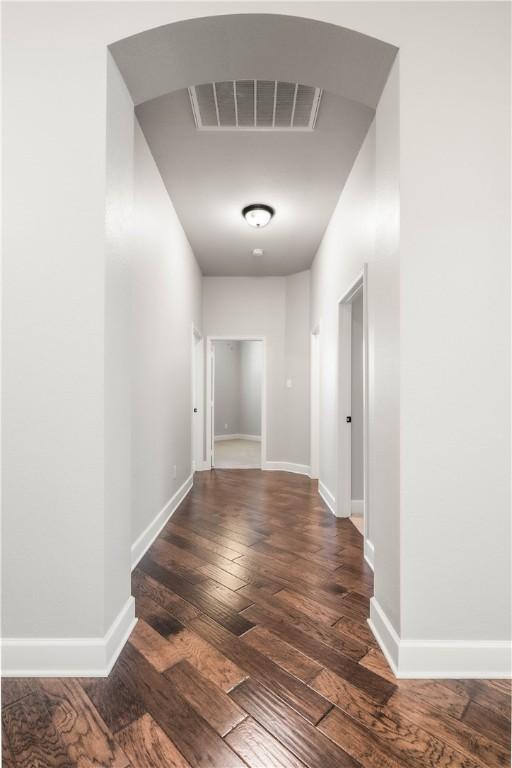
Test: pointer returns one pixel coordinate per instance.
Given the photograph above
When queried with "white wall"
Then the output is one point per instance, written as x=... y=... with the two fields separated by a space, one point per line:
x=166 y=301
x=267 y=306
x=452 y=303
x=348 y=243
x=297 y=367
x=251 y=371
x=227 y=388
x=353 y=237
x=119 y=227
x=356 y=396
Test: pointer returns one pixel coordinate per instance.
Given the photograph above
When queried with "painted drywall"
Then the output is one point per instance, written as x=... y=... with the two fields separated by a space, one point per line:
x=454 y=449
x=297 y=367
x=356 y=397
x=251 y=371
x=384 y=336
x=227 y=388
x=254 y=306
x=166 y=301
x=352 y=239
x=119 y=228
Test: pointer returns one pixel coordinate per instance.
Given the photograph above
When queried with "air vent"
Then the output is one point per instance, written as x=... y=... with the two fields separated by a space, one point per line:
x=255 y=105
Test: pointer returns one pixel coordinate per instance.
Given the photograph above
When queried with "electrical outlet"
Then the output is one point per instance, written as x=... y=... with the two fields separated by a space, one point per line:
x=225 y=426
x=174 y=472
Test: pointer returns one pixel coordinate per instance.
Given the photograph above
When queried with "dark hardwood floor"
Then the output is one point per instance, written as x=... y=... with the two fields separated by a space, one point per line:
x=252 y=649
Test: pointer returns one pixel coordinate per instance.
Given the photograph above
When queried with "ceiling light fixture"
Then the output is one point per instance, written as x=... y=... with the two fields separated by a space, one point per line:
x=258 y=214
x=258 y=252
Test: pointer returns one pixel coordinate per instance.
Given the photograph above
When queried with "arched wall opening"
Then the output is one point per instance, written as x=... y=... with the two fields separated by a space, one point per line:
x=167 y=297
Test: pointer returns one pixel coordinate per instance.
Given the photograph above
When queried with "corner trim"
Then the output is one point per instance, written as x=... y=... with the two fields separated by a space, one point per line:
x=430 y=659
x=369 y=553
x=149 y=534
x=327 y=496
x=69 y=656
x=286 y=466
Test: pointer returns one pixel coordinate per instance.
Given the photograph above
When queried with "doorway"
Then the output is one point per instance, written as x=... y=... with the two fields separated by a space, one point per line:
x=236 y=399
x=352 y=496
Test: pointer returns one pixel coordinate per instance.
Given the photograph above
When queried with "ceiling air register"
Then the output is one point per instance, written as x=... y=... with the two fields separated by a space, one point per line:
x=255 y=105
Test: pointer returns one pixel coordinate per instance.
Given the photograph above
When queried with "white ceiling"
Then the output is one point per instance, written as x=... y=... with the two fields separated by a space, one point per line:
x=212 y=175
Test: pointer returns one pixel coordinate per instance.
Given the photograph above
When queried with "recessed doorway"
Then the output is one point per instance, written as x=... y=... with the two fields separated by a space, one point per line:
x=352 y=492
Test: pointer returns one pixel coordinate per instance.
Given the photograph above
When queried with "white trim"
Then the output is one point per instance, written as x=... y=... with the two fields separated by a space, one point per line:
x=236 y=436
x=369 y=553
x=357 y=507
x=70 y=656
x=197 y=396
x=327 y=496
x=149 y=534
x=286 y=466
x=444 y=659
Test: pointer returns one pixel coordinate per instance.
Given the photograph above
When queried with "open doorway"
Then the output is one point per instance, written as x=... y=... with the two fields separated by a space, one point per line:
x=236 y=403
x=353 y=406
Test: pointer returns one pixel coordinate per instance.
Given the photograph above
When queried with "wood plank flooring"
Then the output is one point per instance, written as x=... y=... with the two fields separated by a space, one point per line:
x=252 y=649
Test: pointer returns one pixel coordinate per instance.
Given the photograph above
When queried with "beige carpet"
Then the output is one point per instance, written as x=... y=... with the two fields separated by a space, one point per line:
x=237 y=454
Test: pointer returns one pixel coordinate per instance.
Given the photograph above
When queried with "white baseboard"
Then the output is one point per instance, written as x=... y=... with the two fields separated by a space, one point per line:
x=327 y=496
x=438 y=659
x=69 y=657
x=369 y=553
x=286 y=466
x=220 y=438
x=357 y=507
x=147 y=537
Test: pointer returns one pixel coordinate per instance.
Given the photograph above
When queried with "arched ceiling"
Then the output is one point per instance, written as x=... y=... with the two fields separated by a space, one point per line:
x=210 y=176
x=254 y=46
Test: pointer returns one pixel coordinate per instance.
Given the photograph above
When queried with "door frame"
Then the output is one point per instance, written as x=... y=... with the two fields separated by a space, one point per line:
x=197 y=457
x=343 y=496
x=210 y=395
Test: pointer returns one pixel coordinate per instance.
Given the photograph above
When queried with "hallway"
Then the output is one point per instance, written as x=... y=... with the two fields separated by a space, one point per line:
x=252 y=649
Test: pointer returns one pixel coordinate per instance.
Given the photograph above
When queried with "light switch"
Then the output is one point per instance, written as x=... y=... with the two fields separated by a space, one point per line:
x=288 y=383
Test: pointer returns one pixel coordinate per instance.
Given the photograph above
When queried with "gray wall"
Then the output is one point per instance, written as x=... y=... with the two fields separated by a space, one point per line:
x=356 y=428
x=297 y=371
x=227 y=388
x=238 y=371
x=356 y=235
x=251 y=369
x=277 y=308
x=166 y=300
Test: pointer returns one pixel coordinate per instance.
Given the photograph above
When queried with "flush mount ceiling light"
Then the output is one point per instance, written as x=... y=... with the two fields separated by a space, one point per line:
x=258 y=214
